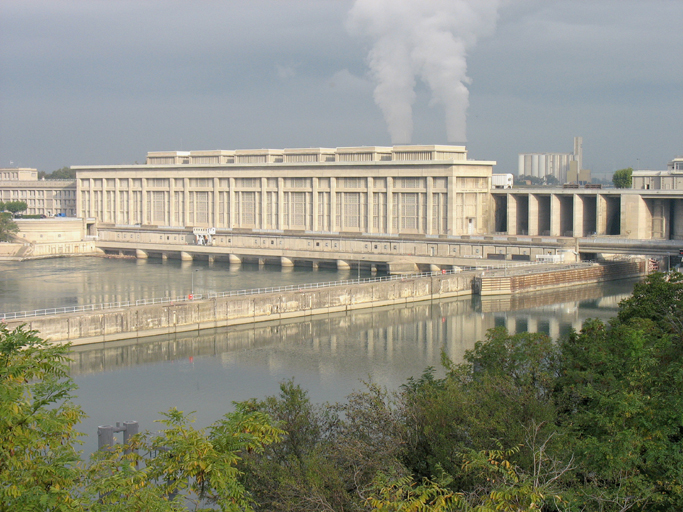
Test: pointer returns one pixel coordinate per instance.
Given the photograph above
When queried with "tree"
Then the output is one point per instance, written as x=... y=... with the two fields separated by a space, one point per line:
x=15 y=207
x=41 y=470
x=622 y=178
x=8 y=228
x=63 y=173
x=39 y=462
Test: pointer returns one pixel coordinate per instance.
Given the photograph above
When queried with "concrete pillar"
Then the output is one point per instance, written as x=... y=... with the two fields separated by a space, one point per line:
x=171 y=202
x=117 y=204
x=140 y=254
x=316 y=207
x=185 y=256
x=577 y=228
x=601 y=215
x=677 y=221
x=368 y=214
x=434 y=268
x=144 y=202
x=211 y=259
x=333 y=205
x=164 y=256
x=280 y=203
x=430 y=205
x=314 y=265
x=532 y=221
x=512 y=214
x=231 y=205
x=217 y=202
x=286 y=262
x=234 y=259
x=555 y=211
x=636 y=220
x=186 y=201
x=261 y=262
x=390 y=204
x=343 y=265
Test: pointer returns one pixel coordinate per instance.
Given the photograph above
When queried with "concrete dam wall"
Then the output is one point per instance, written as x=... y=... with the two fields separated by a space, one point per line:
x=168 y=318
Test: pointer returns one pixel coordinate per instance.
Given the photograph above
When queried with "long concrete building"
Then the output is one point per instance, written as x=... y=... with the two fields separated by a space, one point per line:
x=43 y=197
x=412 y=190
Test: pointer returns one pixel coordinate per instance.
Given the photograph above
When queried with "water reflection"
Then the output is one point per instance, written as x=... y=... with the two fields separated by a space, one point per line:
x=39 y=284
x=328 y=355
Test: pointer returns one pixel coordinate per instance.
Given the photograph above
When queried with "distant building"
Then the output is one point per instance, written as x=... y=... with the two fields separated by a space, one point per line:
x=43 y=197
x=426 y=190
x=558 y=165
x=671 y=179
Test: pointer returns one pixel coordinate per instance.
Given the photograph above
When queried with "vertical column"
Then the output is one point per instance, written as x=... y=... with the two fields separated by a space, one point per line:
x=512 y=215
x=144 y=202
x=171 y=202
x=186 y=202
x=117 y=202
x=264 y=203
x=577 y=227
x=390 y=205
x=216 y=202
x=231 y=204
x=280 y=203
x=533 y=221
x=600 y=214
x=91 y=206
x=314 y=201
x=555 y=215
x=369 y=196
x=677 y=221
x=430 y=206
x=333 y=204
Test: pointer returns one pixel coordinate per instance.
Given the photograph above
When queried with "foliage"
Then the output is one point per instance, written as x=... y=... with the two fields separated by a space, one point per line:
x=8 y=228
x=181 y=465
x=15 y=207
x=63 y=173
x=39 y=462
x=589 y=422
x=622 y=178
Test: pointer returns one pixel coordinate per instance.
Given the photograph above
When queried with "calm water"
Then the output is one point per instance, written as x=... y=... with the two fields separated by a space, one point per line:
x=328 y=355
x=49 y=283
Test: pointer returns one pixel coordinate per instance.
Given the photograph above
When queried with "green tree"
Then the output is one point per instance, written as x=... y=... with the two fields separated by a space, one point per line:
x=63 y=173
x=15 y=207
x=39 y=462
x=8 y=228
x=622 y=178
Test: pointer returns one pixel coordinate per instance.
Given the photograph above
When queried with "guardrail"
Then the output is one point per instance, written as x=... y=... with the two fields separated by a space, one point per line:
x=252 y=291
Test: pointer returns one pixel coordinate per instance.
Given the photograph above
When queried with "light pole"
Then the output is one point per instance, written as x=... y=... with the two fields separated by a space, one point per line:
x=192 y=287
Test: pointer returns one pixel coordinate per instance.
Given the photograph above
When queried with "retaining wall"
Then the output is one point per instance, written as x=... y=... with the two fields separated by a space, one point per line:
x=504 y=285
x=150 y=320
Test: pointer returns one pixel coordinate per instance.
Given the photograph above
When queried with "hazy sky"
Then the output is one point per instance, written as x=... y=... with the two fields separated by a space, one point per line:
x=105 y=81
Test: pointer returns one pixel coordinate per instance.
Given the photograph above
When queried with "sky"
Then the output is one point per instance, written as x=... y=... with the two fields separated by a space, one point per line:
x=88 y=82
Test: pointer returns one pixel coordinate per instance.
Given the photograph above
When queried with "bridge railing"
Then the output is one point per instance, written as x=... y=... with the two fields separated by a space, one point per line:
x=252 y=291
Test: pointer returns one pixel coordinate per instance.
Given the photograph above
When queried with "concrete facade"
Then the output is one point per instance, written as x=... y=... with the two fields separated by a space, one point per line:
x=43 y=197
x=414 y=190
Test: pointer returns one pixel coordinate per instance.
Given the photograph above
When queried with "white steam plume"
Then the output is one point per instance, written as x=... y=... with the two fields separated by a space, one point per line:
x=427 y=39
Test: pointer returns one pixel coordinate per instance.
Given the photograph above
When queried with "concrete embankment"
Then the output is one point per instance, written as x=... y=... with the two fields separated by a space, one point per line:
x=113 y=324
x=155 y=319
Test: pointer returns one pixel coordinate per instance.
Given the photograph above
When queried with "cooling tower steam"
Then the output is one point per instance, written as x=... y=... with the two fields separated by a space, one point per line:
x=425 y=39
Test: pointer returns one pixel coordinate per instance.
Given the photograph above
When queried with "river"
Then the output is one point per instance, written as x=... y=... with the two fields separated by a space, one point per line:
x=328 y=355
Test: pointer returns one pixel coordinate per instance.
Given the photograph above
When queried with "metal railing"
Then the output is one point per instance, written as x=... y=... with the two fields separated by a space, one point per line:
x=252 y=291
x=257 y=291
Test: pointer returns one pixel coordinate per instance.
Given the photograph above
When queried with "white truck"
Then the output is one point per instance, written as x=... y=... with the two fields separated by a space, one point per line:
x=501 y=180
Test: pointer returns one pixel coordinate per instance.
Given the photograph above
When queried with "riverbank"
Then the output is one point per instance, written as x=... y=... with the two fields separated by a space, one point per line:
x=172 y=316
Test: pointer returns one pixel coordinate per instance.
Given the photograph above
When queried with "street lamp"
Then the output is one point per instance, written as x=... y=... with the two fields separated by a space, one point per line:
x=192 y=288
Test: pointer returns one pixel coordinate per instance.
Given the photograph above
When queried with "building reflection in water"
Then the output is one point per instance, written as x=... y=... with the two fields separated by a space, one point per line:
x=328 y=355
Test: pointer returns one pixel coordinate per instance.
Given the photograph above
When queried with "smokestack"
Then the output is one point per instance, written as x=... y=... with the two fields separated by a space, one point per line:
x=425 y=39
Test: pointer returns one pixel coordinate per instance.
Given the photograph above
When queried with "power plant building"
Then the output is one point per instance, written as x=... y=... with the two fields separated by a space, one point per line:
x=420 y=190
x=558 y=165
